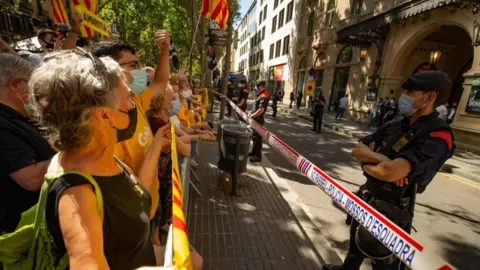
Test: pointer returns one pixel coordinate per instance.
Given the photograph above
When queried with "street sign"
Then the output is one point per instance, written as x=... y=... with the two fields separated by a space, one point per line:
x=309 y=88
x=217 y=36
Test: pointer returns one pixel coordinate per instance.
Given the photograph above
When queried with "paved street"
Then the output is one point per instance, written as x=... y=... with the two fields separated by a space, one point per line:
x=447 y=213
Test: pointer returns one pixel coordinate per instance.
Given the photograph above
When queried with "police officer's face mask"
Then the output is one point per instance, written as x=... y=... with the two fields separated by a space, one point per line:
x=405 y=105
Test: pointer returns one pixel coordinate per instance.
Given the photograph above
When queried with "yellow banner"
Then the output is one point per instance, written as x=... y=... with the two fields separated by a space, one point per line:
x=181 y=247
x=93 y=21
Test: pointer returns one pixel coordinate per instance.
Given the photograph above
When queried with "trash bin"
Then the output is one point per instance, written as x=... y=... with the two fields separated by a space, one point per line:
x=234 y=142
x=224 y=122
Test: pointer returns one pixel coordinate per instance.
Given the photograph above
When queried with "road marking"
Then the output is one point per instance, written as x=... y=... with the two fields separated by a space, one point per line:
x=461 y=180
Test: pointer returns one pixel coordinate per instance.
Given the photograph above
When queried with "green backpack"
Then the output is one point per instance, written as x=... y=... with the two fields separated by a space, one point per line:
x=31 y=246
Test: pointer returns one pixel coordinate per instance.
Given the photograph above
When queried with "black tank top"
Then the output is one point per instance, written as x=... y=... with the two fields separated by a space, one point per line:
x=126 y=224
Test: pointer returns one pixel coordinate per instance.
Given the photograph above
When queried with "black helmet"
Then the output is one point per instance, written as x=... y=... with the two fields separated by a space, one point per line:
x=371 y=246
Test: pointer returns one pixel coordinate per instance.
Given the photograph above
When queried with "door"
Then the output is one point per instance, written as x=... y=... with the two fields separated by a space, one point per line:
x=339 y=87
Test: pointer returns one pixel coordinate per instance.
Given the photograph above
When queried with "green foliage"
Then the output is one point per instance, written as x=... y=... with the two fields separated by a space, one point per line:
x=138 y=20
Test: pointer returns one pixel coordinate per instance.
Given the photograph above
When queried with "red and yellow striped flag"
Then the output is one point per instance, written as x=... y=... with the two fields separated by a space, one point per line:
x=59 y=14
x=181 y=247
x=92 y=6
x=216 y=10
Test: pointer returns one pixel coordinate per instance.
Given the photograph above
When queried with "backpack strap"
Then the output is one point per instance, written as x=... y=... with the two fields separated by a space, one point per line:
x=42 y=203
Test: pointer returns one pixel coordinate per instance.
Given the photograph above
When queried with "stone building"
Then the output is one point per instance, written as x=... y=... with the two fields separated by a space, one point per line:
x=21 y=19
x=367 y=48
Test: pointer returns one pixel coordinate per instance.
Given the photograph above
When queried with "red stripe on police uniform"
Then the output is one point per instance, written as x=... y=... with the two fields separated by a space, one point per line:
x=179 y=224
x=444 y=135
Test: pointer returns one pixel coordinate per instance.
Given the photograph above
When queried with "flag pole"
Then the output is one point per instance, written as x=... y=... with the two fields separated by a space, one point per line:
x=226 y=67
x=193 y=43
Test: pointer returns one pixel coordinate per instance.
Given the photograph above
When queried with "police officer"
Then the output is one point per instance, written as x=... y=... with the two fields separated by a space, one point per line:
x=400 y=157
x=318 y=105
x=243 y=94
x=261 y=105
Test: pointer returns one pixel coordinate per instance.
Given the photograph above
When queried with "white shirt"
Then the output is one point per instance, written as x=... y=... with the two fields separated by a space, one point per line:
x=442 y=111
x=344 y=102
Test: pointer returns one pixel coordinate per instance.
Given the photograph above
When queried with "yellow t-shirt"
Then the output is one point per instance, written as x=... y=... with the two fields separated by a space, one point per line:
x=133 y=151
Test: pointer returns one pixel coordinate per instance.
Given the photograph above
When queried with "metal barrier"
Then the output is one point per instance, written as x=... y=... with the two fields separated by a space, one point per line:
x=410 y=251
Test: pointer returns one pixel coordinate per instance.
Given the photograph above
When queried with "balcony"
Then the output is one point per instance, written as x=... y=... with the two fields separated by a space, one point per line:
x=304 y=44
x=323 y=37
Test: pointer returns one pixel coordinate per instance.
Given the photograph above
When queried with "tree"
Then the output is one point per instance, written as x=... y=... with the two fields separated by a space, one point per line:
x=138 y=20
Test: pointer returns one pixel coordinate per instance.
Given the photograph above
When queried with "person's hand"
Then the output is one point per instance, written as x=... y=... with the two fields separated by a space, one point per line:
x=402 y=182
x=206 y=126
x=160 y=136
x=372 y=146
x=77 y=21
x=162 y=39
x=207 y=137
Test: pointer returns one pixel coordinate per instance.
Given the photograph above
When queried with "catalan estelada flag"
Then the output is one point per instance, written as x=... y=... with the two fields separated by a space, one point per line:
x=92 y=6
x=216 y=10
x=59 y=14
x=181 y=247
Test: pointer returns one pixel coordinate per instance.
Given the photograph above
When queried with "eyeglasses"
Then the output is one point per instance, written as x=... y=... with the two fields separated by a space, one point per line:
x=135 y=64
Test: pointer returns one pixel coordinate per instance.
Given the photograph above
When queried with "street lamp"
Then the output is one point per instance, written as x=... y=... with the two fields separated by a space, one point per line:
x=363 y=54
x=476 y=33
x=434 y=56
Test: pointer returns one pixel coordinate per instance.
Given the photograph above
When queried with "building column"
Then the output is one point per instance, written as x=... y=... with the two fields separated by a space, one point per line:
x=327 y=84
x=389 y=83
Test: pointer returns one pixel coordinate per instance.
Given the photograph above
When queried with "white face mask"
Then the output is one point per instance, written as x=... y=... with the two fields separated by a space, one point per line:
x=187 y=93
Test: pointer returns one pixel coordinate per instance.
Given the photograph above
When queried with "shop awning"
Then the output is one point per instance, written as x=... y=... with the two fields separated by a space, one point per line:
x=376 y=27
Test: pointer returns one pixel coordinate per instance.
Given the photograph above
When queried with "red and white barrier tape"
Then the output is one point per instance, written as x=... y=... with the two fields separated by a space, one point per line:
x=402 y=244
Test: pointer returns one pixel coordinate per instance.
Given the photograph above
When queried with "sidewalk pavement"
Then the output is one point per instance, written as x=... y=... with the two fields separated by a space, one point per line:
x=258 y=229
x=463 y=163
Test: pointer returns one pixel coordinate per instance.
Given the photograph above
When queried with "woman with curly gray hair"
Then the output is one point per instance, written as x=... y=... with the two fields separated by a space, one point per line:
x=83 y=102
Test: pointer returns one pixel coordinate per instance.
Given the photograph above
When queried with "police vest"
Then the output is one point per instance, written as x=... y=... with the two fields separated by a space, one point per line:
x=398 y=138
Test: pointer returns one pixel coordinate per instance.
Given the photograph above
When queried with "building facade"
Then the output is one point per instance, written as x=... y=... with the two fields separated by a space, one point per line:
x=366 y=49
x=264 y=50
x=21 y=19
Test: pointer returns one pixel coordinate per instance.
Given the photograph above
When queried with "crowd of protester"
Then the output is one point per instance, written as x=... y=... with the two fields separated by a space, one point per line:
x=98 y=112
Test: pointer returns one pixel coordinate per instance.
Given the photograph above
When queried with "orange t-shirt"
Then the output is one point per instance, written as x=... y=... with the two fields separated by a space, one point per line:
x=133 y=151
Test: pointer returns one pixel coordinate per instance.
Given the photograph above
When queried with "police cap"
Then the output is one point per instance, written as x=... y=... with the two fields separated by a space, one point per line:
x=428 y=81
x=260 y=82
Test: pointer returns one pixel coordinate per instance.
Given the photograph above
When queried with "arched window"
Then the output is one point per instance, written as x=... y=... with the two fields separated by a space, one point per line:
x=321 y=60
x=303 y=63
x=330 y=13
x=345 y=55
x=311 y=20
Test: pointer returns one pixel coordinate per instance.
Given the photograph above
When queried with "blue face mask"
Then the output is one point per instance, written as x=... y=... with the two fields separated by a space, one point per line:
x=29 y=109
x=405 y=105
x=140 y=80
x=175 y=107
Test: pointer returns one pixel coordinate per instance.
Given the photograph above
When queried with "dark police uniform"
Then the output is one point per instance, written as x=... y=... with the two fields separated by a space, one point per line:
x=318 y=112
x=261 y=101
x=21 y=145
x=426 y=144
x=243 y=94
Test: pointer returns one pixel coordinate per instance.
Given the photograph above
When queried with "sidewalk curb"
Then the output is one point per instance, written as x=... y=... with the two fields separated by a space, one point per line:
x=446 y=168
